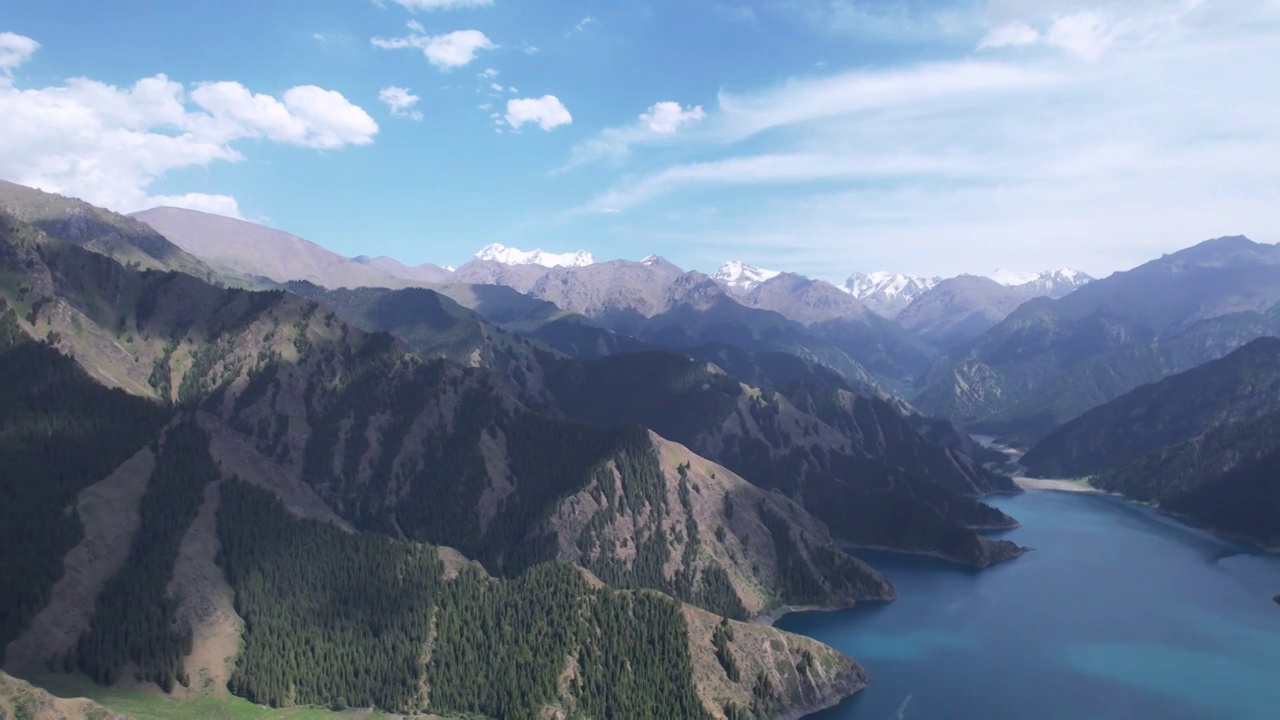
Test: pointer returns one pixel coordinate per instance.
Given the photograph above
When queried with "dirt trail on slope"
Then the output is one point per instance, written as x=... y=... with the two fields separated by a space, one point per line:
x=109 y=512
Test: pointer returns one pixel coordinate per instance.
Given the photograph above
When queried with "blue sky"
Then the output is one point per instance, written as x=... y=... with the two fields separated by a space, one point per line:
x=819 y=136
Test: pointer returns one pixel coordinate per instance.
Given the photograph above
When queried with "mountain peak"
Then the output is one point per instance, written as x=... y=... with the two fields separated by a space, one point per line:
x=887 y=293
x=1053 y=283
x=739 y=275
x=515 y=256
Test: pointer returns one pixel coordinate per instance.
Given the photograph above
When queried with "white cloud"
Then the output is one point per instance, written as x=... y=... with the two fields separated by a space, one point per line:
x=779 y=169
x=1170 y=134
x=109 y=144
x=582 y=25
x=446 y=52
x=400 y=102
x=457 y=48
x=656 y=125
x=489 y=73
x=547 y=112
x=667 y=117
x=442 y=4
x=1082 y=34
x=1014 y=34
x=216 y=204
x=15 y=50
x=306 y=115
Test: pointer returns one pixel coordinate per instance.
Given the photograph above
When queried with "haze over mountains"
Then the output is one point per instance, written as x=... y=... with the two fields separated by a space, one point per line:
x=546 y=436
x=262 y=425
x=1051 y=360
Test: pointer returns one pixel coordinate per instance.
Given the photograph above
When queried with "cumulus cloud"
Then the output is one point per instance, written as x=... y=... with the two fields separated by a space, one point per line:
x=442 y=4
x=667 y=117
x=15 y=49
x=446 y=52
x=400 y=102
x=109 y=144
x=546 y=111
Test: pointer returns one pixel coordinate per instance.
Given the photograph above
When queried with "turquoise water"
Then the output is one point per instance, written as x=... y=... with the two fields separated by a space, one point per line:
x=1118 y=613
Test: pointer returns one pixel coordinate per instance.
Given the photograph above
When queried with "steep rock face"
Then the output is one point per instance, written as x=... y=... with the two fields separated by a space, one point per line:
x=19 y=699
x=1240 y=387
x=757 y=548
x=1047 y=340
x=124 y=239
x=856 y=487
x=779 y=674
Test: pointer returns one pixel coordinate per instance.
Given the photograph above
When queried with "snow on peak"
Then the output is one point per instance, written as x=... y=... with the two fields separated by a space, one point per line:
x=1047 y=282
x=887 y=285
x=450 y=269
x=739 y=275
x=1013 y=278
x=514 y=256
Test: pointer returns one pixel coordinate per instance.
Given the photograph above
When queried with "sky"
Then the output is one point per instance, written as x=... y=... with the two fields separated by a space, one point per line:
x=930 y=137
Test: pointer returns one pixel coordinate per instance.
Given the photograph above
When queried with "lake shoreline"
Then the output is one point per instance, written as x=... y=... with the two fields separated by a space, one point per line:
x=1171 y=611
x=1072 y=486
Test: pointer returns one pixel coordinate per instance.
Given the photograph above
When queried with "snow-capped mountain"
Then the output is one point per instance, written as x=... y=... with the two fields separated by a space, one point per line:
x=1050 y=283
x=887 y=294
x=1014 y=278
x=742 y=277
x=515 y=256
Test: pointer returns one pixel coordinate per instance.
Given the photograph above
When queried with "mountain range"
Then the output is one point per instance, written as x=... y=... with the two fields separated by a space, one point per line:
x=738 y=275
x=513 y=256
x=247 y=253
x=240 y=432
x=890 y=294
x=1204 y=443
x=1051 y=360
x=206 y=479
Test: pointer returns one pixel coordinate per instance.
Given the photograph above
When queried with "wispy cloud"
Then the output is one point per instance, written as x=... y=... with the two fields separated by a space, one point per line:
x=1112 y=132
x=656 y=125
x=582 y=25
x=440 y=4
